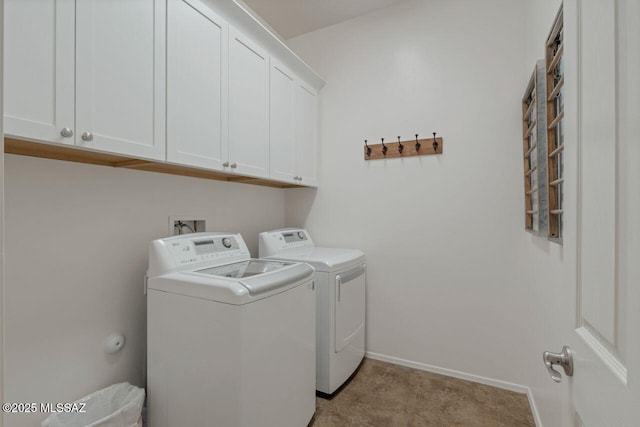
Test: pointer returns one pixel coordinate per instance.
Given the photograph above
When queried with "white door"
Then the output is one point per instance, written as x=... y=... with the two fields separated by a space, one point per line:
x=306 y=134
x=120 y=76
x=603 y=61
x=39 y=69
x=196 y=85
x=282 y=154
x=248 y=106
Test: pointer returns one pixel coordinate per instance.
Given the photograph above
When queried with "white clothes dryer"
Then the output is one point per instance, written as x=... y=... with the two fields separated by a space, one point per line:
x=340 y=301
x=230 y=339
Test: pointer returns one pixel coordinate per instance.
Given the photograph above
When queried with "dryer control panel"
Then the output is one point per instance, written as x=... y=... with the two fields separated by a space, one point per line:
x=272 y=242
x=294 y=236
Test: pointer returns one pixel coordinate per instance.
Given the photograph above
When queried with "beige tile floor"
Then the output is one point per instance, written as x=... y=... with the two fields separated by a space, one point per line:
x=385 y=395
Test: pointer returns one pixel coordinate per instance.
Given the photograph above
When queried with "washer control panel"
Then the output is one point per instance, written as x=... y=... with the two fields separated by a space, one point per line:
x=196 y=249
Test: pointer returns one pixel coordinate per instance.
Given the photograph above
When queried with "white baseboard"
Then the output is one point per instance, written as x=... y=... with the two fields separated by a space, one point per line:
x=534 y=408
x=463 y=376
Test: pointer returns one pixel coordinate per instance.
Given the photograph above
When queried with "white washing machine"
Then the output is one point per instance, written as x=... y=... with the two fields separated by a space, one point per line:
x=340 y=301
x=230 y=339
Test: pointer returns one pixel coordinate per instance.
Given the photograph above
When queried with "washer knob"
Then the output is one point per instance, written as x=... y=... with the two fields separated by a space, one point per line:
x=301 y=234
x=226 y=242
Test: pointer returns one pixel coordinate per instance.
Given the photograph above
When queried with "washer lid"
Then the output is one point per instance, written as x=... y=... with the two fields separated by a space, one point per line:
x=237 y=283
x=243 y=269
x=323 y=259
x=259 y=275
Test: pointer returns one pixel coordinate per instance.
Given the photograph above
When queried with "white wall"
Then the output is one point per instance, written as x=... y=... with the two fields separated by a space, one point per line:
x=450 y=279
x=443 y=235
x=77 y=239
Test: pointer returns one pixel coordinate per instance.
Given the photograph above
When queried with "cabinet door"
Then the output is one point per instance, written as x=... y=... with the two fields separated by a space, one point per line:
x=39 y=69
x=196 y=85
x=306 y=134
x=120 y=76
x=248 y=106
x=281 y=123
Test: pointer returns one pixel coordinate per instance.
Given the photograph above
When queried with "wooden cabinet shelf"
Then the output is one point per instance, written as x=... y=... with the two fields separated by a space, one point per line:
x=79 y=155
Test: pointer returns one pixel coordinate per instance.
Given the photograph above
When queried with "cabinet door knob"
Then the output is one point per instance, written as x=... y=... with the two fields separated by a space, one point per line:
x=225 y=164
x=234 y=165
x=66 y=133
x=87 y=136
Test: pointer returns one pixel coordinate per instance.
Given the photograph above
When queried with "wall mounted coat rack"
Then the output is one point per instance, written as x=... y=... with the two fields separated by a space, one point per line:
x=409 y=148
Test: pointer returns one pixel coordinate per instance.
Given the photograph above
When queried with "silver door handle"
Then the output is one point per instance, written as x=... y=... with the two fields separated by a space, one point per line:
x=66 y=133
x=225 y=164
x=234 y=165
x=564 y=359
x=338 y=285
x=87 y=136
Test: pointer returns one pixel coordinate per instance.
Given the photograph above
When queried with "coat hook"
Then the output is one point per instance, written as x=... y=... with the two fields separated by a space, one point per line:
x=417 y=143
x=400 y=146
x=368 y=148
x=384 y=148
x=435 y=143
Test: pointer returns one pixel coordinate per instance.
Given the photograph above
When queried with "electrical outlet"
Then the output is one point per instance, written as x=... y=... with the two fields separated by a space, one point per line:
x=186 y=224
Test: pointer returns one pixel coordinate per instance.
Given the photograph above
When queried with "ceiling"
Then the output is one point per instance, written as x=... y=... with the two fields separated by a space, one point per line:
x=291 y=18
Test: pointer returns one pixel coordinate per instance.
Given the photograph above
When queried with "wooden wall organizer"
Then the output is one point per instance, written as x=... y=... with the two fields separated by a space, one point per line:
x=528 y=146
x=391 y=150
x=555 y=134
x=534 y=146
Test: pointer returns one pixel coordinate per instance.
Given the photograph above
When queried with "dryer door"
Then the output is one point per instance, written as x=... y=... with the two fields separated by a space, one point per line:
x=350 y=305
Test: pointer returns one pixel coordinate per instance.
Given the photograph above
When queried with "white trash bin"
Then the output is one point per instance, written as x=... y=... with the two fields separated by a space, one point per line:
x=119 y=405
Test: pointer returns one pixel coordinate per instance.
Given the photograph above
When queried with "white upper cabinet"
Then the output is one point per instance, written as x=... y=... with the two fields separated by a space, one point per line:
x=89 y=73
x=248 y=106
x=293 y=127
x=306 y=134
x=197 y=41
x=39 y=69
x=193 y=82
x=120 y=77
x=282 y=123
